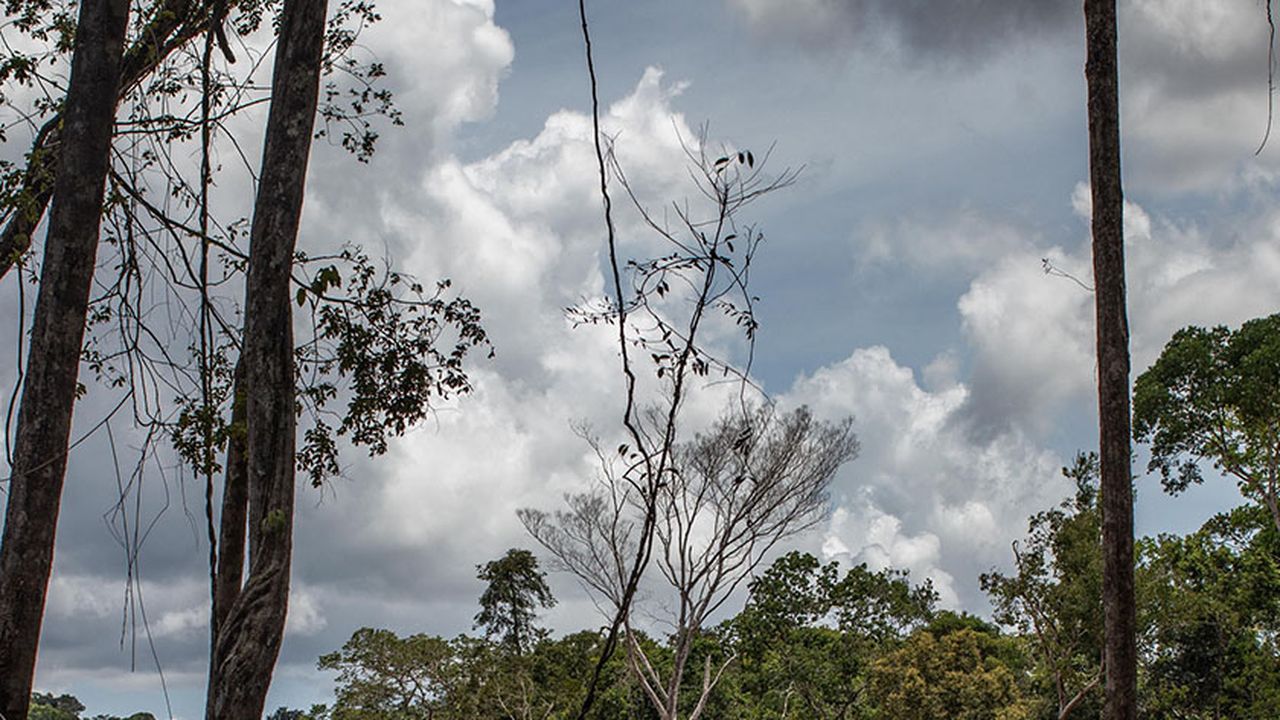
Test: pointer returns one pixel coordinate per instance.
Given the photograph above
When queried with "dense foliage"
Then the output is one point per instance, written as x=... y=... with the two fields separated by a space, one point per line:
x=822 y=641
x=47 y=706
x=509 y=604
x=818 y=640
x=1214 y=395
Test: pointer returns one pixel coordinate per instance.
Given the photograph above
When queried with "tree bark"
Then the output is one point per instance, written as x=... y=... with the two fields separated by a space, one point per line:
x=249 y=639
x=228 y=575
x=235 y=502
x=1120 y=652
x=53 y=364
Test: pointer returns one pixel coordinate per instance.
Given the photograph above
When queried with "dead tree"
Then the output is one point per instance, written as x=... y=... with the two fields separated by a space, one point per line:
x=729 y=496
x=711 y=274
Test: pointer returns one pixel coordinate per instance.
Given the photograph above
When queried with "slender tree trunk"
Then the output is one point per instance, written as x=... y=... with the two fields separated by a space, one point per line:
x=235 y=501
x=1120 y=653
x=53 y=365
x=229 y=573
x=249 y=637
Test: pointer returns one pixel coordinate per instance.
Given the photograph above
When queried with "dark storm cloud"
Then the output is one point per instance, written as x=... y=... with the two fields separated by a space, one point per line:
x=915 y=30
x=968 y=29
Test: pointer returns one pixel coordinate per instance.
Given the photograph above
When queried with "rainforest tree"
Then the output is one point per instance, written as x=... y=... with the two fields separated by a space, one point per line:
x=53 y=365
x=1213 y=396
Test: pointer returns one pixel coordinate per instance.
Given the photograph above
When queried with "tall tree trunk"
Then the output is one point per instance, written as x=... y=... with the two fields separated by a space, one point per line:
x=249 y=637
x=53 y=365
x=1120 y=653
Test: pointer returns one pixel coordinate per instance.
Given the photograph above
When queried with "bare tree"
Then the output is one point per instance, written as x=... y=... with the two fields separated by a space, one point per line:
x=49 y=391
x=709 y=273
x=729 y=496
x=1119 y=614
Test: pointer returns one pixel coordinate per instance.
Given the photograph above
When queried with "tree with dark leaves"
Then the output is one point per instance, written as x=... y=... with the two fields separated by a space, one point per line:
x=516 y=589
x=1213 y=396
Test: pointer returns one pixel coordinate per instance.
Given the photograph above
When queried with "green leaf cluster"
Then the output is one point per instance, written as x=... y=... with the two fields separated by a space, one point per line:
x=47 y=706
x=1209 y=608
x=516 y=589
x=1214 y=395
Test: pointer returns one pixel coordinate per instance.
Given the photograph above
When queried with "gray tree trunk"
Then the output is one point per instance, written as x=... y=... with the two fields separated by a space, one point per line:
x=53 y=364
x=229 y=574
x=1120 y=652
x=249 y=637
x=235 y=502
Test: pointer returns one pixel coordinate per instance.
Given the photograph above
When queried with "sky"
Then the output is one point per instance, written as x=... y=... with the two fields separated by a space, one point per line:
x=944 y=159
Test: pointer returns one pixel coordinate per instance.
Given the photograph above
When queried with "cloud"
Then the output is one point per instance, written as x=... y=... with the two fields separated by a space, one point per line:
x=957 y=243
x=912 y=30
x=954 y=457
x=520 y=234
x=444 y=60
x=305 y=615
x=953 y=463
x=1193 y=93
x=1031 y=333
x=395 y=543
x=925 y=495
x=102 y=626
x=1193 y=74
x=879 y=542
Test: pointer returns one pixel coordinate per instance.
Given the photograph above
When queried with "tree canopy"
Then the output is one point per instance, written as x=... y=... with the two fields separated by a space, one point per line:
x=1213 y=396
x=516 y=589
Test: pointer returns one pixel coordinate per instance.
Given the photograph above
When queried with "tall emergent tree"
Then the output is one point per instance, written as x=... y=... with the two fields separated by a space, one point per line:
x=248 y=639
x=49 y=390
x=1215 y=395
x=516 y=589
x=1101 y=74
x=373 y=336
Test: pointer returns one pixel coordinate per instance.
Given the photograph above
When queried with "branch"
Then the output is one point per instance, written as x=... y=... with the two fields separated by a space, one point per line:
x=1080 y=696
x=709 y=683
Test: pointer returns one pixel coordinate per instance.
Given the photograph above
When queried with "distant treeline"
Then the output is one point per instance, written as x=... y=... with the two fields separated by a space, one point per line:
x=820 y=641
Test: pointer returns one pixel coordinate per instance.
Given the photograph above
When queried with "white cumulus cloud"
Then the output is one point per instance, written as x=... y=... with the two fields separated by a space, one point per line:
x=926 y=494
